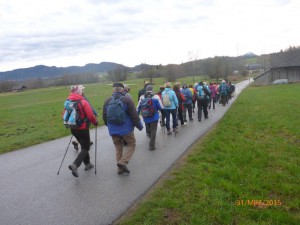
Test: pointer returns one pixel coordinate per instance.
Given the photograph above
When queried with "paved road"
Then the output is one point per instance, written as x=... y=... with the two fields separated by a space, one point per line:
x=33 y=194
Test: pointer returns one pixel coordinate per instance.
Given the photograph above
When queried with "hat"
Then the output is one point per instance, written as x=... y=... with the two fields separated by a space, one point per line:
x=149 y=88
x=223 y=81
x=118 y=85
x=78 y=89
x=162 y=88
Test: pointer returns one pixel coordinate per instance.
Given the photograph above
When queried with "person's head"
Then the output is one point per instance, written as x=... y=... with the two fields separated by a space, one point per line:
x=190 y=86
x=118 y=87
x=200 y=83
x=168 y=85
x=149 y=91
x=126 y=88
x=162 y=88
x=223 y=81
x=210 y=83
x=184 y=86
x=77 y=89
x=147 y=83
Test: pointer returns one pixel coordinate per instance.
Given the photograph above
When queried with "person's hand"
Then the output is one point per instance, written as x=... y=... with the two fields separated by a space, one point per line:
x=96 y=124
x=140 y=127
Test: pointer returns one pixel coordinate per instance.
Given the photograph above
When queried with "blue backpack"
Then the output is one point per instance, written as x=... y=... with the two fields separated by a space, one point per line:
x=223 y=89
x=71 y=116
x=147 y=108
x=115 y=113
x=200 y=93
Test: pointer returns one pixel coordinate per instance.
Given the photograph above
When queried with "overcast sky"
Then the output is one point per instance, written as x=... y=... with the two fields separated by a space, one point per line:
x=131 y=32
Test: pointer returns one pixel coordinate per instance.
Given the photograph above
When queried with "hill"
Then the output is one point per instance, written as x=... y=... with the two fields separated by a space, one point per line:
x=42 y=71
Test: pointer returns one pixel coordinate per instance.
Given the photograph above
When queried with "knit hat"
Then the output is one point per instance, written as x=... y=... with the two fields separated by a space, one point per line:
x=77 y=89
x=149 y=88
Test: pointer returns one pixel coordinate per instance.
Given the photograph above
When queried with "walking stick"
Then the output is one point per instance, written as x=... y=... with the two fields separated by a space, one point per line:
x=64 y=155
x=96 y=150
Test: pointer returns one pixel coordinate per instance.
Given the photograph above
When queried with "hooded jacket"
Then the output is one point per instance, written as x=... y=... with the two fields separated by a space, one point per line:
x=173 y=98
x=85 y=110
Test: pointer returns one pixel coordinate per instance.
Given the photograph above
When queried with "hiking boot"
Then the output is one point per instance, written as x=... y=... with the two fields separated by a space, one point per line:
x=75 y=145
x=89 y=166
x=169 y=132
x=73 y=168
x=120 y=171
x=152 y=148
x=123 y=168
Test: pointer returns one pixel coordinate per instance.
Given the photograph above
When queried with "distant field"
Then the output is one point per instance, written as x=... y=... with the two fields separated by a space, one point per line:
x=245 y=171
x=34 y=116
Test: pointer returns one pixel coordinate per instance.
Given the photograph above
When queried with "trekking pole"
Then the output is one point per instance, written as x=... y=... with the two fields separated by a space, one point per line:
x=163 y=132
x=65 y=155
x=96 y=150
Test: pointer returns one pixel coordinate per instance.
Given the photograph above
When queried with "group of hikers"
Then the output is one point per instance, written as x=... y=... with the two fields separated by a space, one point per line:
x=120 y=115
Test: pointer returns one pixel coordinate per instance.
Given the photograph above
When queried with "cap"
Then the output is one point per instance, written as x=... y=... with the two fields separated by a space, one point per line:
x=118 y=85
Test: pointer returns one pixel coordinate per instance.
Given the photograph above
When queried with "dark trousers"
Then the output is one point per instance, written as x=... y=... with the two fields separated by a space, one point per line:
x=83 y=136
x=224 y=100
x=188 y=108
x=202 y=105
x=152 y=128
x=169 y=112
x=212 y=100
x=180 y=116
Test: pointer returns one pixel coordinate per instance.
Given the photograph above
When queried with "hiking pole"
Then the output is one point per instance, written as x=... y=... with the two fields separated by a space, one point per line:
x=65 y=155
x=96 y=150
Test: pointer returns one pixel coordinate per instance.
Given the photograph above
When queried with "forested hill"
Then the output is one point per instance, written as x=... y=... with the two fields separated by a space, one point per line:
x=42 y=71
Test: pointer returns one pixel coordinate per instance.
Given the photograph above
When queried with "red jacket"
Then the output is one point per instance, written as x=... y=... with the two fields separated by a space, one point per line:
x=85 y=109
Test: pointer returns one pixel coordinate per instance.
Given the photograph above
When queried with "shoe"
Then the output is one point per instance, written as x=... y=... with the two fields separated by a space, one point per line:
x=89 y=166
x=169 y=132
x=199 y=120
x=123 y=168
x=91 y=143
x=175 y=130
x=120 y=171
x=75 y=145
x=206 y=117
x=183 y=125
x=191 y=119
x=152 y=148
x=185 y=121
x=73 y=168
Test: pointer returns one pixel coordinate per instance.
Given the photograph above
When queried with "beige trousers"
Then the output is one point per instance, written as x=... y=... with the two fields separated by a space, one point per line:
x=123 y=156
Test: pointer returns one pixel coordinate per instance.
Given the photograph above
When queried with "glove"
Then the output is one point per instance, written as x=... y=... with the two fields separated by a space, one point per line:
x=140 y=127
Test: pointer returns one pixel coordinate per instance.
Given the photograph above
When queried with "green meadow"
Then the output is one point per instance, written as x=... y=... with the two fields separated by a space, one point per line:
x=244 y=171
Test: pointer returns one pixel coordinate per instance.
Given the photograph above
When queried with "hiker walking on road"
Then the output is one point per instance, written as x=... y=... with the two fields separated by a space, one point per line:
x=82 y=133
x=143 y=90
x=223 y=90
x=213 y=96
x=187 y=104
x=202 y=100
x=148 y=106
x=181 y=99
x=163 y=117
x=76 y=142
x=120 y=116
x=170 y=103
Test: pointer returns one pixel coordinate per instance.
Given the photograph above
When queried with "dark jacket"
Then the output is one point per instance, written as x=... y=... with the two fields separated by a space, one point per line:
x=132 y=118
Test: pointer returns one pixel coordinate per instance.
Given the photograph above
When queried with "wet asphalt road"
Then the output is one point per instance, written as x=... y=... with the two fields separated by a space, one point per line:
x=32 y=193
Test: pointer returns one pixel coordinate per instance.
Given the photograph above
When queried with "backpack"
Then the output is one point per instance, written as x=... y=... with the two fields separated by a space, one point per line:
x=115 y=112
x=200 y=93
x=71 y=117
x=166 y=99
x=223 y=89
x=147 y=108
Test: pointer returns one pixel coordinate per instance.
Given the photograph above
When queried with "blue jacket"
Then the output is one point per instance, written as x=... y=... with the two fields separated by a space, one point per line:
x=187 y=95
x=132 y=118
x=157 y=106
x=173 y=98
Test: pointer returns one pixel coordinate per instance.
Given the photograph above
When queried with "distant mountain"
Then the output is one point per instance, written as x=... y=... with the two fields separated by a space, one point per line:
x=249 y=55
x=42 y=71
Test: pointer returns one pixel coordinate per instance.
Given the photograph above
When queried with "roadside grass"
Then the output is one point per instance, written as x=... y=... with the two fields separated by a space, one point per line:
x=34 y=116
x=253 y=153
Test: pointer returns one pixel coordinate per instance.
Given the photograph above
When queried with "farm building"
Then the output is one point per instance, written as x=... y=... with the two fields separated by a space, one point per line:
x=18 y=88
x=284 y=66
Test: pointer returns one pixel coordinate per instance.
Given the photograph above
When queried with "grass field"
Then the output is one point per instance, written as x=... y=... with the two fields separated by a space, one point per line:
x=245 y=171
x=34 y=116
